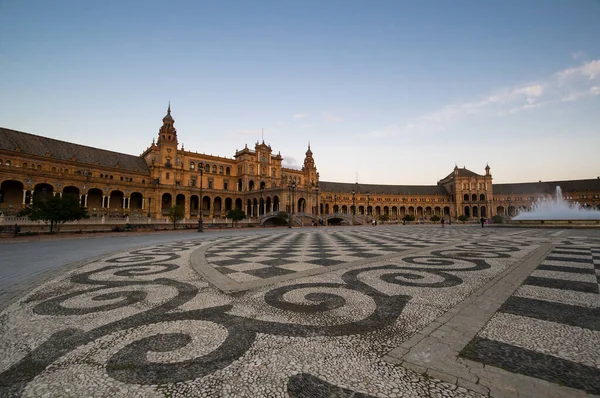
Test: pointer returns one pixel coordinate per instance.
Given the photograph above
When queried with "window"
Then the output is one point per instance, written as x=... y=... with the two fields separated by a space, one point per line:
x=210 y=183
x=8 y=162
x=228 y=171
x=24 y=165
x=225 y=185
x=168 y=176
x=221 y=170
x=192 y=166
x=214 y=169
x=207 y=168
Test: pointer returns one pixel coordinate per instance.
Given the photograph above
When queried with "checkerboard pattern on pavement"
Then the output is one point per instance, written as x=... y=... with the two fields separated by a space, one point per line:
x=261 y=257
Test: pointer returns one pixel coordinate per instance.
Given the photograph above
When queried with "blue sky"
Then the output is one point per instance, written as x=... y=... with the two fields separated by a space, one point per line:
x=396 y=92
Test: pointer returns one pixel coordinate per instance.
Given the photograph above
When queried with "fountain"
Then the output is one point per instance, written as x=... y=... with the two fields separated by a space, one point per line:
x=557 y=211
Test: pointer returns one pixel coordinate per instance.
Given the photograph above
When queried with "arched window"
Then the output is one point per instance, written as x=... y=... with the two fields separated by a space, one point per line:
x=8 y=163
x=101 y=175
x=207 y=168
x=474 y=197
x=214 y=169
x=39 y=167
x=221 y=170
x=482 y=197
x=227 y=171
x=466 y=197
x=192 y=166
x=24 y=165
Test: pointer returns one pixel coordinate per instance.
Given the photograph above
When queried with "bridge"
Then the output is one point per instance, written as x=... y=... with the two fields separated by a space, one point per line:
x=300 y=219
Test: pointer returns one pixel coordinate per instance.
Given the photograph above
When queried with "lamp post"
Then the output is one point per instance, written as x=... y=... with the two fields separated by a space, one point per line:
x=317 y=191
x=201 y=169
x=353 y=208
x=292 y=187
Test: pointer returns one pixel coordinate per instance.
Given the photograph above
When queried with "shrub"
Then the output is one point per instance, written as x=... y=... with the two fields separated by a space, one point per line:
x=463 y=218
x=435 y=218
x=408 y=217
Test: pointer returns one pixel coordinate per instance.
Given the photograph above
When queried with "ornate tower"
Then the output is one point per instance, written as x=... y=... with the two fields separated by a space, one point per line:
x=309 y=168
x=167 y=134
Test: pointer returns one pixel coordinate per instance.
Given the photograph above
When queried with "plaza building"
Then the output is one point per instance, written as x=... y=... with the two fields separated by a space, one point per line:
x=115 y=185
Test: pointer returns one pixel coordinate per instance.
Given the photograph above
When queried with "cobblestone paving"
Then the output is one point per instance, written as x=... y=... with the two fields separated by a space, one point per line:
x=143 y=323
x=550 y=327
x=263 y=257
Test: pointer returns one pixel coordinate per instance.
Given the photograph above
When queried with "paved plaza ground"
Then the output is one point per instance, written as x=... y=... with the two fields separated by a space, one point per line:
x=386 y=311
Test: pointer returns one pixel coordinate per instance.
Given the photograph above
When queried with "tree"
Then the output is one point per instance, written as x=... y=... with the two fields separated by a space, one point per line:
x=435 y=218
x=463 y=218
x=408 y=217
x=55 y=210
x=383 y=218
x=236 y=215
x=176 y=214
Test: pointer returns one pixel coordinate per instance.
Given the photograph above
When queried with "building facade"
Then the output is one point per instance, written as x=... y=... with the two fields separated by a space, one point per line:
x=116 y=185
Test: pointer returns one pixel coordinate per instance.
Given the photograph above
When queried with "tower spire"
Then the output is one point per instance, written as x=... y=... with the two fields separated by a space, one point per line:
x=169 y=109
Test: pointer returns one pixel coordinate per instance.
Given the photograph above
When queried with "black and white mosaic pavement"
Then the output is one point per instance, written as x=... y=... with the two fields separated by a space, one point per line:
x=144 y=323
x=550 y=327
x=262 y=257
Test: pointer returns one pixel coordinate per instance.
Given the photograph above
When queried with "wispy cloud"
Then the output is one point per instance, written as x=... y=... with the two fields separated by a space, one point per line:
x=300 y=115
x=290 y=163
x=329 y=117
x=568 y=85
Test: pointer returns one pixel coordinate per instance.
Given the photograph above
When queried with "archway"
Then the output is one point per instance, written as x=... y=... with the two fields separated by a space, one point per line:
x=228 y=204
x=238 y=204
x=475 y=212
x=116 y=200
x=276 y=206
x=217 y=206
x=301 y=205
x=205 y=205
x=194 y=205
x=71 y=192
x=42 y=191
x=467 y=211
x=11 y=195
x=180 y=200
x=136 y=201
x=483 y=212
x=500 y=210
x=166 y=203
x=94 y=200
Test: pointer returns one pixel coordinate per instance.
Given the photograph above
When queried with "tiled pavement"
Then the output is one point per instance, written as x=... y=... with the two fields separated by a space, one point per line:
x=550 y=327
x=143 y=323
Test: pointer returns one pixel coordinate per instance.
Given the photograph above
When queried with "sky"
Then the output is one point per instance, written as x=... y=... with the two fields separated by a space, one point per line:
x=386 y=92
